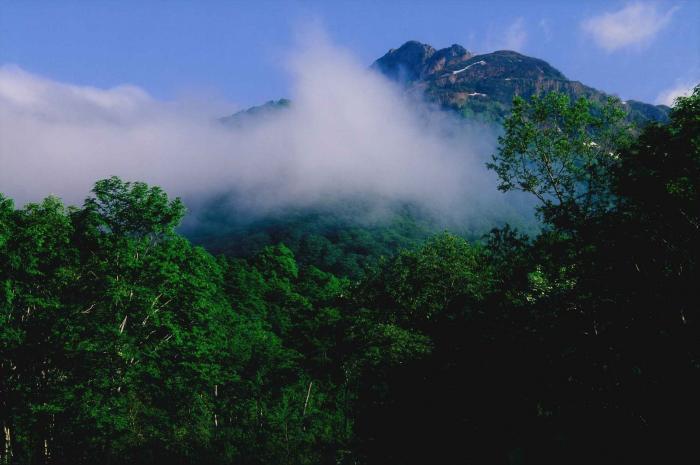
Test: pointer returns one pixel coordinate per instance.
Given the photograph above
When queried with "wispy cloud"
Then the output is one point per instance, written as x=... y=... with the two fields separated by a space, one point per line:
x=679 y=89
x=511 y=36
x=515 y=36
x=546 y=29
x=634 y=25
x=349 y=132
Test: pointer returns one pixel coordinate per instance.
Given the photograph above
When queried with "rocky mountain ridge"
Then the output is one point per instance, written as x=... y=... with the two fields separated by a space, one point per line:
x=480 y=87
x=484 y=85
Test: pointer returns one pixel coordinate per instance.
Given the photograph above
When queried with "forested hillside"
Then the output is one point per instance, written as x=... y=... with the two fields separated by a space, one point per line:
x=121 y=342
x=476 y=90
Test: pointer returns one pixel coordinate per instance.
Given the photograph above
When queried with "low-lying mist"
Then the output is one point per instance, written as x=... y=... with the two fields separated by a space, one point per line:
x=348 y=134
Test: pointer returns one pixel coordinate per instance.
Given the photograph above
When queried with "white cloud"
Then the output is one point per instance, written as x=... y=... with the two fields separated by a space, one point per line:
x=348 y=132
x=634 y=25
x=680 y=89
x=515 y=36
x=546 y=29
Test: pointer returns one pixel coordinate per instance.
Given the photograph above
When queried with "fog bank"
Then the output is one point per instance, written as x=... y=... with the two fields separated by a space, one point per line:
x=349 y=132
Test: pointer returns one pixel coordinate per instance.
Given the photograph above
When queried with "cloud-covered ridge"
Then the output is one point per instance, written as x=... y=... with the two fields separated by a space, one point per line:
x=348 y=132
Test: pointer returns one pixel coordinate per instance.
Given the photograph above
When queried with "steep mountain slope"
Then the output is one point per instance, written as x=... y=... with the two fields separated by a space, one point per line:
x=476 y=86
x=415 y=61
x=484 y=85
x=251 y=114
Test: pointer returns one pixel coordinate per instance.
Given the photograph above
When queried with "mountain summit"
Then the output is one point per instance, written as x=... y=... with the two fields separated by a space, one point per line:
x=475 y=86
x=414 y=60
x=484 y=85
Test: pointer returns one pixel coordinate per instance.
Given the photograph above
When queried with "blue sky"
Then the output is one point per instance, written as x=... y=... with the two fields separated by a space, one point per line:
x=236 y=50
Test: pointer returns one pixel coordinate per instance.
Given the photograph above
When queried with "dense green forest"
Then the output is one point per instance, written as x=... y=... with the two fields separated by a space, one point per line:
x=121 y=342
x=333 y=238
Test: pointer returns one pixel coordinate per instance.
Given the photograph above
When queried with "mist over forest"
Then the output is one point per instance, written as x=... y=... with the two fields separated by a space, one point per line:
x=349 y=133
x=443 y=255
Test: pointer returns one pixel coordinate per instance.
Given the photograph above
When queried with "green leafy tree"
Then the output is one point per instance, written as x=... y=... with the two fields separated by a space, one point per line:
x=36 y=264
x=415 y=319
x=561 y=152
x=603 y=295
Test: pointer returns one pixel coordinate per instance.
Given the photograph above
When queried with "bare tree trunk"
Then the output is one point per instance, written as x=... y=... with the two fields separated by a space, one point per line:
x=216 y=394
x=7 y=449
x=308 y=394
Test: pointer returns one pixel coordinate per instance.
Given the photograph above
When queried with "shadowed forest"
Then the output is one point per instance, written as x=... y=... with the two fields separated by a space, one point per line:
x=122 y=342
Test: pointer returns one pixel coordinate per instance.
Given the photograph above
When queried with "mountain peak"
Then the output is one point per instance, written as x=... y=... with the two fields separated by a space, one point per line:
x=406 y=63
x=486 y=84
x=415 y=60
x=446 y=57
x=480 y=86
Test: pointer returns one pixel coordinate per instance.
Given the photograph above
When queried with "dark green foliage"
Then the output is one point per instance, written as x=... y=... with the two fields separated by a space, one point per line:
x=561 y=152
x=610 y=296
x=121 y=342
x=330 y=239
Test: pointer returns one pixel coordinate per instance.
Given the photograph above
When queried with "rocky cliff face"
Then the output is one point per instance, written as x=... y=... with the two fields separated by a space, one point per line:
x=483 y=86
x=476 y=86
x=413 y=61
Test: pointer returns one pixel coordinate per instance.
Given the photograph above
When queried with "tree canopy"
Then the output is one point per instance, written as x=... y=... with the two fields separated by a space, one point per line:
x=122 y=342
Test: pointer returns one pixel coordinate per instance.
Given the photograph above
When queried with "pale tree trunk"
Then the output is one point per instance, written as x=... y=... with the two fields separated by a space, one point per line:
x=306 y=402
x=7 y=449
x=216 y=394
